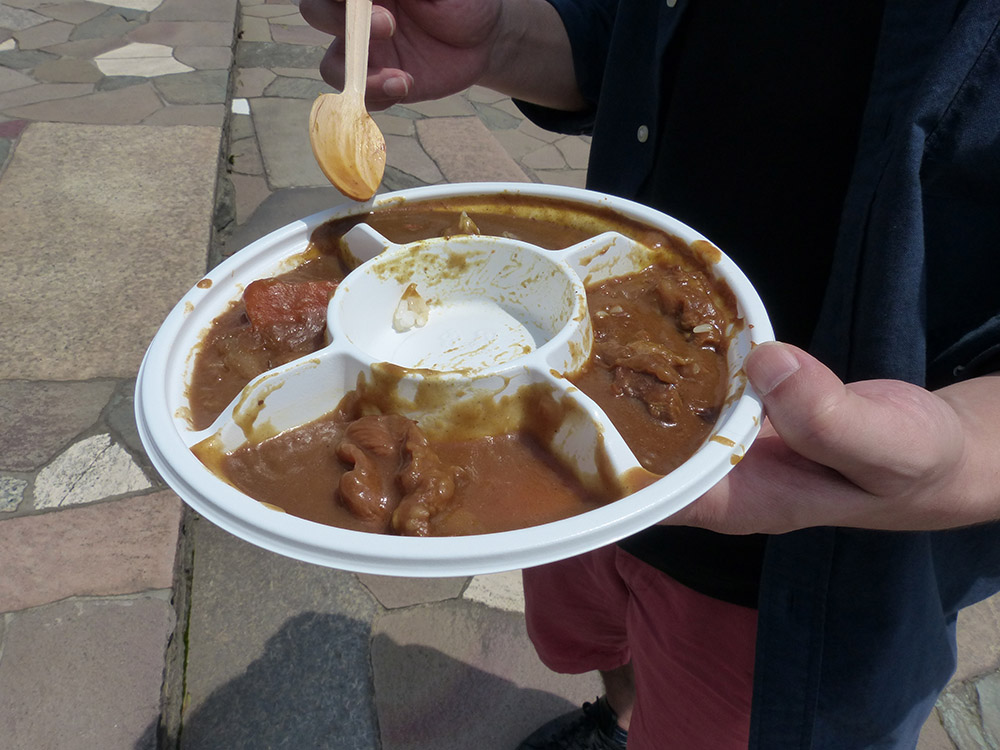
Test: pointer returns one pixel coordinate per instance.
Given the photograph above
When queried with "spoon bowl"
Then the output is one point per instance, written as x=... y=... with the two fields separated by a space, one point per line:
x=346 y=141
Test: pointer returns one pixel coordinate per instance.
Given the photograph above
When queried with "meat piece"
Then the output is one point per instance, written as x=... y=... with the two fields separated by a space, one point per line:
x=650 y=357
x=429 y=485
x=686 y=296
x=662 y=401
x=371 y=445
x=396 y=479
x=362 y=489
x=288 y=315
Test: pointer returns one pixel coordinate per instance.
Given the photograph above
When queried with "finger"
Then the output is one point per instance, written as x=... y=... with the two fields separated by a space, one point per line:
x=324 y=15
x=387 y=87
x=882 y=435
x=328 y=16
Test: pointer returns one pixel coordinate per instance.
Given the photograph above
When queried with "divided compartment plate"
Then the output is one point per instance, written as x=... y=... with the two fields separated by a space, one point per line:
x=500 y=314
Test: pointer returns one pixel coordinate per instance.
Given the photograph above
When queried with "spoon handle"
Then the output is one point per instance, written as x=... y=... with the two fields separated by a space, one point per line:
x=356 y=33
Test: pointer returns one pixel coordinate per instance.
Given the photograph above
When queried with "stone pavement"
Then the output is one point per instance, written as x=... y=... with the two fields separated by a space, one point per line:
x=142 y=141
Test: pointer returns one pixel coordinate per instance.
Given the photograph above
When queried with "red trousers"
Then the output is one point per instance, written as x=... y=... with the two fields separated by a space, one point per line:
x=692 y=655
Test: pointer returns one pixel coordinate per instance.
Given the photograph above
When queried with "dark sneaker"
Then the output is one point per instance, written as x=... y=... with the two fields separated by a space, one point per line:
x=593 y=727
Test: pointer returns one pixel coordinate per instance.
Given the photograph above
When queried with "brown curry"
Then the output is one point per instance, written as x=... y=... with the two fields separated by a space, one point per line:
x=658 y=370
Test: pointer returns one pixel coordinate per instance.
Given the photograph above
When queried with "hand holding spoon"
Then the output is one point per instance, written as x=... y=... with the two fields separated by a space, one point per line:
x=345 y=140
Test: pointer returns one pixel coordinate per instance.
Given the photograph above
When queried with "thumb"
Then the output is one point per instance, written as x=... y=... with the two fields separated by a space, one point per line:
x=879 y=434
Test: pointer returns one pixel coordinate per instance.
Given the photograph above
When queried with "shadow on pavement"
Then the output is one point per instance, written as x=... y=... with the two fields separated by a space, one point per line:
x=305 y=693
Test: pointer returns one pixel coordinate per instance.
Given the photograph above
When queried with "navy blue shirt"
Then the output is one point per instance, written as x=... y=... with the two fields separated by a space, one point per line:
x=856 y=628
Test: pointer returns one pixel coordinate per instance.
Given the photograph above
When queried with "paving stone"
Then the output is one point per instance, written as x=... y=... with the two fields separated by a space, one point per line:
x=398 y=110
x=12 y=128
x=251 y=82
x=396 y=179
x=499 y=590
x=84 y=675
x=17 y=19
x=23 y=60
x=240 y=126
x=298 y=34
x=122 y=547
x=575 y=150
x=254 y=30
x=278 y=651
x=529 y=128
x=71 y=12
x=199 y=87
x=195 y=10
x=173 y=33
x=250 y=191
x=244 y=158
x=121 y=415
x=42 y=92
x=280 y=208
x=11 y=494
x=270 y=11
x=933 y=736
x=124 y=107
x=92 y=469
x=960 y=717
x=451 y=106
x=297 y=88
x=393 y=124
x=37 y=37
x=465 y=151
x=292 y=19
x=459 y=675
x=150 y=247
x=406 y=155
x=393 y=592
x=205 y=58
x=133 y=7
x=569 y=177
x=24 y=4
x=282 y=127
x=85 y=49
x=546 y=157
x=68 y=70
x=11 y=79
x=507 y=105
x=517 y=143
x=113 y=23
x=42 y=418
x=988 y=691
x=978 y=639
x=495 y=118
x=213 y=115
x=299 y=73
x=483 y=95
x=116 y=83
x=274 y=55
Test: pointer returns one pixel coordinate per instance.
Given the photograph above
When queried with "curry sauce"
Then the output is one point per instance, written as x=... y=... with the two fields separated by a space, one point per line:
x=658 y=370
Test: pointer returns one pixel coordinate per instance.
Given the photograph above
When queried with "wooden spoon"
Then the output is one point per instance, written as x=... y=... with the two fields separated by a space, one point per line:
x=346 y=142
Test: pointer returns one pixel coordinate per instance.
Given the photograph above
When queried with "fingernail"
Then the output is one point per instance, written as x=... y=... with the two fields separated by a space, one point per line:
x=769 y=365
x=397 y=87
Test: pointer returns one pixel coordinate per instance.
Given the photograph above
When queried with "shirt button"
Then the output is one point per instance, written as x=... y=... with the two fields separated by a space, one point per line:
x=642 y=134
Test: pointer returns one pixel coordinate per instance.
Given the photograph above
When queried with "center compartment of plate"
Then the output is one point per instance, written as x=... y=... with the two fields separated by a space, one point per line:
x=457 y=303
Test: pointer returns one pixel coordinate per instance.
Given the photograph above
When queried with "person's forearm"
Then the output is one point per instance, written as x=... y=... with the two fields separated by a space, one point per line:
x=532 y=58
